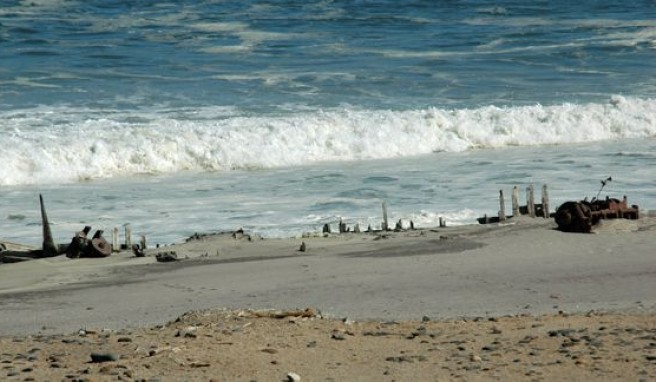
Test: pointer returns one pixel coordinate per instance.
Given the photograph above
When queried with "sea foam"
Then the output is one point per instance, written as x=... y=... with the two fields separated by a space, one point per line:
x=61 y=145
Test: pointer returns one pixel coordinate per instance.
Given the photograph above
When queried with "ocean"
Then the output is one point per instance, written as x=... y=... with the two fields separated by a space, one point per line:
x=278 y=117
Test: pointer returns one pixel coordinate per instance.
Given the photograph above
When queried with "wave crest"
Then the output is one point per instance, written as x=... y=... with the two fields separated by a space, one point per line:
x=58 y=145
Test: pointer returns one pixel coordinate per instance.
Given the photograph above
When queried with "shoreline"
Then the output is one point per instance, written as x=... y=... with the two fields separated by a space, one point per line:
x=525 y=266
x=473 y=302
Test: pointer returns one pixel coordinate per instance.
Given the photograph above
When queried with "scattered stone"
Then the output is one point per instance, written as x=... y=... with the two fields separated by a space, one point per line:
x=407 y=358
x=104 y=357
x=303 y=247
x=124 y=339
x=339 y=336
x=293 y=377
x=165 y=257
x=187 y=333
x=475 y=358
x=269 y=350
x=561 y=332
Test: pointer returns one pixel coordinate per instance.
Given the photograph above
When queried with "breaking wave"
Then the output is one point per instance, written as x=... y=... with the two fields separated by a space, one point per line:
x=62 y=145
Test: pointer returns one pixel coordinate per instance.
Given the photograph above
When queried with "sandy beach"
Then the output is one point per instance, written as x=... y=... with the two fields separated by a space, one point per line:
x=519 y=301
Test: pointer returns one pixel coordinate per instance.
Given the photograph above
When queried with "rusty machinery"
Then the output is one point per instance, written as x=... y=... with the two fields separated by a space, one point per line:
x=582 y=215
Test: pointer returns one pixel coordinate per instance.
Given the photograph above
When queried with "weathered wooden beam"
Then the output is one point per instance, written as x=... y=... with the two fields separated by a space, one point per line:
x=515 y=202
x=385 y=224
x=545 y=202
x=502 y=207
x=530 y=201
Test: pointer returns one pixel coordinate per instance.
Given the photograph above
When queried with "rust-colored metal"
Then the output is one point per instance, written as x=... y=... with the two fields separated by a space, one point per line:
x=581 y=216
x=81 y=246
x=99 y=248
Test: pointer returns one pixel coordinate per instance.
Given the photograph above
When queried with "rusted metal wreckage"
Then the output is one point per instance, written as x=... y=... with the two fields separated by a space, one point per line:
x=583 y=215
x=80 y=245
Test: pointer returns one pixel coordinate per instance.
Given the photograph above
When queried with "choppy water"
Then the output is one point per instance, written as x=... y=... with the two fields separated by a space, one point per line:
x=180 y=117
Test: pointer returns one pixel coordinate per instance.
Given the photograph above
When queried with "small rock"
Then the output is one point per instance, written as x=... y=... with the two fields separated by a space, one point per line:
x=104 y=357
x=165 y=257
x=303 y=247
x=293 y=377
x=338 y=336
x=475 y=358
x=269 y=351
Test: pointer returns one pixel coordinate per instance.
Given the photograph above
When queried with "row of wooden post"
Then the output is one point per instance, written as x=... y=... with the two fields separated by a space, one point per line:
x=128 y=239
x=530 y=203
x=384 y=226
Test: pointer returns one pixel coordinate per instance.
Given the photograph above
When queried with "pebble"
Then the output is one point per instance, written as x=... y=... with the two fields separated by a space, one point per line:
x=475 y=358
x=293 y=377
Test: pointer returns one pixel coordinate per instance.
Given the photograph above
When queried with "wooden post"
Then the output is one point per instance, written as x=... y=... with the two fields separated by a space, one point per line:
x=128 y=236
x=515 y=202
x=342 y=226
x=385 y=225
x=115 y=245
x=48 y=247
x=545 y=202
x=530 y=201
x=442 y=222
x=502 y=207
x=143 y=242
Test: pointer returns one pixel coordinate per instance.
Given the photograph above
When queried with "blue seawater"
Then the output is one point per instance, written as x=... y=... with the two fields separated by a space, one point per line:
x=281 y=116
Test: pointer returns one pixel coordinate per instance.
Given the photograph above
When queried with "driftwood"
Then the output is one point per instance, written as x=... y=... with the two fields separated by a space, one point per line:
x=307 y=312
x=80 y=246
x=48 y=248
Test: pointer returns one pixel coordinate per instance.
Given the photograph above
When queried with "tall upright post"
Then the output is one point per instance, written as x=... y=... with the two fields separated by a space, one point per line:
x=530 y=201
x=502 y=207
x=515 y=202
x=49 y=248
x=115 y=246
x=385 y=225
x=143 y=242
x=128 y=236
x=545 y=202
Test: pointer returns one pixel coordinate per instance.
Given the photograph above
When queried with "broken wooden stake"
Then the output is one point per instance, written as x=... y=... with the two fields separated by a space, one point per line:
x=128 y=236
x=143 y=242
x=385 y=225
x=515 y=202
x=530 y=201
x=545 y=202
x=115 y=246
x=502 y=207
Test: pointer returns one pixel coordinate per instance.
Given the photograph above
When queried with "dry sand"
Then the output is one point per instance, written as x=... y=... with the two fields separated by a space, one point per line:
x=520 y=301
